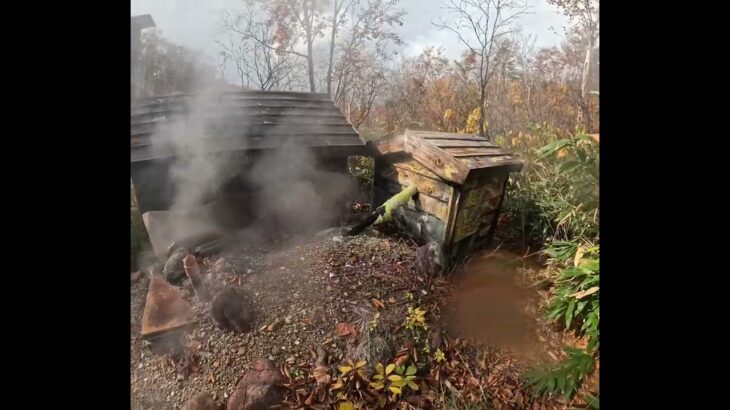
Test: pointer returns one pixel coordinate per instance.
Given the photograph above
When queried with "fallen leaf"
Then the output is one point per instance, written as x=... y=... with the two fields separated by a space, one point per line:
x=310 y=399
x=321 y=375
x=584 y=293
x=345 y=329
x=378 y=304
x=391 y=300
x=273 y=326
x=579 y=255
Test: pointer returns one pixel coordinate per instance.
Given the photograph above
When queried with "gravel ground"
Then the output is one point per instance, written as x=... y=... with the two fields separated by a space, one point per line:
x=303 y=288
x=300 y=289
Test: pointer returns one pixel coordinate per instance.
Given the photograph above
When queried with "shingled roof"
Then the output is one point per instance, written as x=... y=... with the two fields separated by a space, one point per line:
x=242 y=120
x=450 y=156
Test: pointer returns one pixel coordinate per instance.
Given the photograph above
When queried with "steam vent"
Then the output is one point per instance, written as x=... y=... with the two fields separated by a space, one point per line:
x=197 y=134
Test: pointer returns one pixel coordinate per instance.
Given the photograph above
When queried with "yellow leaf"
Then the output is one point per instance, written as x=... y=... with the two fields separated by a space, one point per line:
x=347 y=406
x=378 y=377
x=395 y=390
x=584 y=293
x=399 y=383
x=394 y=377
x=377 y=385
x=345 y=369
x=336 y=386
x=579 y=255
x=390 y=368
x=413 y=386
x=360 y=364
x=379 y=368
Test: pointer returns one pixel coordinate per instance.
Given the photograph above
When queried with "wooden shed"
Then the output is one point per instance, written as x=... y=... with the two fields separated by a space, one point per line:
x=461 y=182
x=241 y=130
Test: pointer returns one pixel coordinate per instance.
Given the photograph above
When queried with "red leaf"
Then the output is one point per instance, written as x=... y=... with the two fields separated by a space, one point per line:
x=345 y=329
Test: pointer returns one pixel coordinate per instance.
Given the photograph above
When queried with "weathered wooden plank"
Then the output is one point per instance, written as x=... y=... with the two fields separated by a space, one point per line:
x=481 y=194
x=233 y=129
x=414 y=166
x=444 y=143
x=428 y=186
x=508 y=162
x=452 y=213
x=469 y=219
x=436 y=159
x=390 y=145
x=446 y=135
x=472 y=152
x=148 y=151
x=480 y=177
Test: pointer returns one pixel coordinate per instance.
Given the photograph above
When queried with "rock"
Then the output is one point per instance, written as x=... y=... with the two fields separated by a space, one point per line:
x=275 y=350
x=430 y=259
x=288 y=319
x=222 y=266
x=202 y=401
x=136 y=276
x=231 y=311
x=257 y=389
x=242 y=351
x=173 y=270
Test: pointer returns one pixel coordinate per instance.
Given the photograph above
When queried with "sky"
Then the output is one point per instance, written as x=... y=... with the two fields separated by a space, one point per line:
x=194 y=24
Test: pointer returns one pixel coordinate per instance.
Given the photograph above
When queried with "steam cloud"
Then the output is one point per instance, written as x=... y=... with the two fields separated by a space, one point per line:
x=284 y=189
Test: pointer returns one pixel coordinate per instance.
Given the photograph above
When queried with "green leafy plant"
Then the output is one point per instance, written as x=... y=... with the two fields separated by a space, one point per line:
x=564 y=377
x=352 y=377
x=555 y=197
x=439 y=356
x=395 y=382
x=373 y=324
x=577 y=290
x=416 y=322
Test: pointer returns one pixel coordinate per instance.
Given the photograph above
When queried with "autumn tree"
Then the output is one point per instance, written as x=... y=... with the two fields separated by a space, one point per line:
x=340 y=8
x=479 y=25
x=299 y=21
x=362 y=54
x=168 y=68
x=250 y=43
x=584 y=16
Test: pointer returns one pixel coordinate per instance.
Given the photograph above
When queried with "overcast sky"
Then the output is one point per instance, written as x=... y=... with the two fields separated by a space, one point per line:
x=194 y=23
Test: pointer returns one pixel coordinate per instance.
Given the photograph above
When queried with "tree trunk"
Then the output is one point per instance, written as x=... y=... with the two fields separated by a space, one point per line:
x=482 y=99
x=310 y=67
x=584 y=113
x=332 y=52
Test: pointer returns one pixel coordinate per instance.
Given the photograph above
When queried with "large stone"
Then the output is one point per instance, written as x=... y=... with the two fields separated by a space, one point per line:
x=202 y=401
x=173 y=270
x=231 y=311
x=430 y=259
x=257 y=389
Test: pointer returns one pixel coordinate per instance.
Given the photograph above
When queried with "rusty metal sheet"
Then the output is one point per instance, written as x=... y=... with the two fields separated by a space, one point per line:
x=165 y=309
